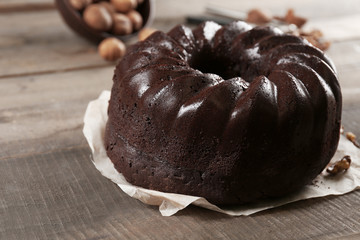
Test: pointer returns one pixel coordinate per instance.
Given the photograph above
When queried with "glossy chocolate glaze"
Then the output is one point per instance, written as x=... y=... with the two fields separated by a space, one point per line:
x=233 y=114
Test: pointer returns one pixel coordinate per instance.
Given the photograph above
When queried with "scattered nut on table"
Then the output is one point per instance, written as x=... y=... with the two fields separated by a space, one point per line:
x=111 y=49
x=145 y=33
x=339 y=166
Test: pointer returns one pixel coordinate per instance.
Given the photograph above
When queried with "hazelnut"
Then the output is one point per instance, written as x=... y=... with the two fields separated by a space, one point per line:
x=145 y=33
x=124 y=6
x=122 y=24
x=109 y=7
x=97 y=17
x=136 y=19
x=111 y=49
x=79 y=4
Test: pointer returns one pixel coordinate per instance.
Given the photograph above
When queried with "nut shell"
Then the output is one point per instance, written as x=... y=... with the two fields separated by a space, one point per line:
x=97 y=17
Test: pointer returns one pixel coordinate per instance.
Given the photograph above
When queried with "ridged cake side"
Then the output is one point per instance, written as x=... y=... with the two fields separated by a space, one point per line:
x=176 y=125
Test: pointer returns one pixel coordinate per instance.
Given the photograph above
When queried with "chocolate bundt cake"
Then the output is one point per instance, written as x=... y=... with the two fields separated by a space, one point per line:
x=233 y=114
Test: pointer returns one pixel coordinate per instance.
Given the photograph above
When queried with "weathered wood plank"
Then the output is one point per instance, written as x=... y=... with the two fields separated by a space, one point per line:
x=44 y=44
x=23 y=2
x=49 y=188
x=345 y=54
x=35 y=110
x=355 y=236
x=53 y=191
x=346 y=57
x=61 y=195
x=47 y=46
x=11 y=7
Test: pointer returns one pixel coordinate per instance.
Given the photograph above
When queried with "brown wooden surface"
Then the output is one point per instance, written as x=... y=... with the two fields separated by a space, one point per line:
x=49 y=189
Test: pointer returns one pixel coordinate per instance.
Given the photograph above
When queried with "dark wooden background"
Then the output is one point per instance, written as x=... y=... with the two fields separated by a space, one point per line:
x=49 y=189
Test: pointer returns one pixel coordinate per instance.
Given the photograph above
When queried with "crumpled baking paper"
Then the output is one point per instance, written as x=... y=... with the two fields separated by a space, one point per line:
x=170 y=203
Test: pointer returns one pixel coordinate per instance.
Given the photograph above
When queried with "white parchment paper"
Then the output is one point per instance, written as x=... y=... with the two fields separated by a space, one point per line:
x=170 y=203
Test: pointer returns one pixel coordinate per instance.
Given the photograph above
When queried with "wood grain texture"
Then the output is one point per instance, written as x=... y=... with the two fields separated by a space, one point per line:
x=37 y=109
x=61 y=194
x=26 y=7
x=49 y=189
x=44 y=44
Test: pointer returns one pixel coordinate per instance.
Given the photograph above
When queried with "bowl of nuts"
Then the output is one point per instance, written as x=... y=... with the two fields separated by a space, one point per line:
x=99 y=19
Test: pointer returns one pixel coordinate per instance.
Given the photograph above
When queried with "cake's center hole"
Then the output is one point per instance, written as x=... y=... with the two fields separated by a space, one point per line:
x=207 y=62
x=227 y=66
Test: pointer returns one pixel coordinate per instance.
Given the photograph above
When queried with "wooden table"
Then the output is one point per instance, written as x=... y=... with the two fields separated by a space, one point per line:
x=49 y=189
